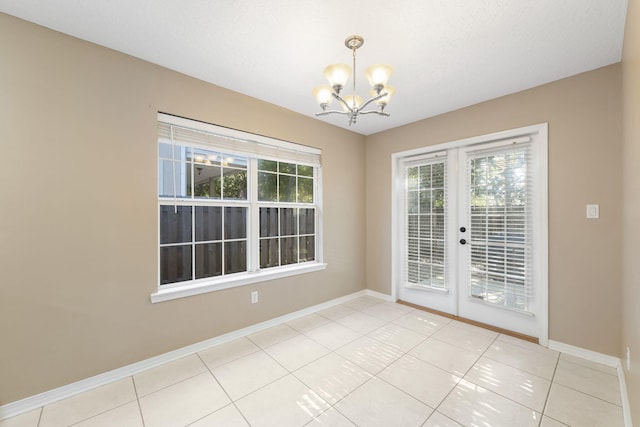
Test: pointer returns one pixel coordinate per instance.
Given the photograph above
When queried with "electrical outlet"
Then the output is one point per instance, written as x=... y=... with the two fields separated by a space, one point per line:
x=628 y=359
x=254 y=297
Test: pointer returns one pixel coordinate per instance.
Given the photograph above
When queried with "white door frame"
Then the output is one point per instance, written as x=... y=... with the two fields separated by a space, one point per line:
x=541 y=272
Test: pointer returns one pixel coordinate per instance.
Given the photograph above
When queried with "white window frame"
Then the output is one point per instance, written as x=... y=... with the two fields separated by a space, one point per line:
x=279 y=150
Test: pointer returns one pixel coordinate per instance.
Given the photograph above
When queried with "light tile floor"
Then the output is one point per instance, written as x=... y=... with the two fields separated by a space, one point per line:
x=362 y=363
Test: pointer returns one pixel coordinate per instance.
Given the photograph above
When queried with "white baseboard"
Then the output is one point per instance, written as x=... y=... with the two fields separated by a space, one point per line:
x=624 y=396
x=379 y=295
x=583 y=353
x=604 y=359
x=30 y=403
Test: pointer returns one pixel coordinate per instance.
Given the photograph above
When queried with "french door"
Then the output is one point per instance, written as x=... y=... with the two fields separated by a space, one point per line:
x=470 y=229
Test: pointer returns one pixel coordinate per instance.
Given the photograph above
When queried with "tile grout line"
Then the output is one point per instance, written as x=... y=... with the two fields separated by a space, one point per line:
x=334 y=351
x=546 y=401
x=135 y=388
x=462 y=378
x=375 y=376
x=40 y=416
x=518 y=369
x=577 y=390
x=231 y=401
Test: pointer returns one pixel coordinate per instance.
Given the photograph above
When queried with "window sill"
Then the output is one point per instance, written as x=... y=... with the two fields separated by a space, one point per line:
x=232 y=282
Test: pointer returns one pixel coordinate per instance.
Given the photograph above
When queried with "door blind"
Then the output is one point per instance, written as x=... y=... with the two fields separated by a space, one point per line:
x=426 y=196
x=499 y=203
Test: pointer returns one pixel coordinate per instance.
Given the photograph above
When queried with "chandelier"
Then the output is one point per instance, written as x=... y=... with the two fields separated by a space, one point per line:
x=352 y=105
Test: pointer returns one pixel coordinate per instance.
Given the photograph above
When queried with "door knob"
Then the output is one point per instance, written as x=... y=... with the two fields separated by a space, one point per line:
x=463 y=242
x=463 y=229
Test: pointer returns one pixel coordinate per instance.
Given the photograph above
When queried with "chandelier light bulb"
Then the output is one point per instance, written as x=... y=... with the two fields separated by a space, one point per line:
x=378 y=75
x=323 y=95
x=390 y=90
x=337 y=75
x=353 y=102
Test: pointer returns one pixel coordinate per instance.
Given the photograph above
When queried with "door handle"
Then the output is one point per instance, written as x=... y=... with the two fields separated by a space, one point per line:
x=463 y=242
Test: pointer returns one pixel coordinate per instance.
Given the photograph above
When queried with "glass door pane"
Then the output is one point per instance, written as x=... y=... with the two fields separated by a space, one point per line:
x=498 y=216
x=426 y=226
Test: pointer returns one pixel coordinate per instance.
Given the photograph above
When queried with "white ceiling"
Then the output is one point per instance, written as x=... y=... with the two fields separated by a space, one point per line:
x=447 y=54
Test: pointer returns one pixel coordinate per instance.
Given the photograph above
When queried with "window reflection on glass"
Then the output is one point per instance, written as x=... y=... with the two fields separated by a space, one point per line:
x=267 y=165
x=305 y=170
x=305 y=190
x=234 y=184
x=170 y=172
x=286 y=188
x=206 y=180
x=219 y=175
x=288 y=168
x=284 y=182
x=267 y=187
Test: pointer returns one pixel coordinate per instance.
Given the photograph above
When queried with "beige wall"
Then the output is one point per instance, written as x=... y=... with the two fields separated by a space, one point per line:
x=631 y=197
x=583 y=113
x=78 y=218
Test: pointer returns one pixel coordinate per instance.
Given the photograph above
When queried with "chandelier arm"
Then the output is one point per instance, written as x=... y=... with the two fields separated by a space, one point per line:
x=375 y=98
x=324 y=113
x=380 y=113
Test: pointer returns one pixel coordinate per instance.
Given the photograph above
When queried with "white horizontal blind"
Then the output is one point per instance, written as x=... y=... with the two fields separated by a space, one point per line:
x=243 y=145
x=500 y=206
x=426 y=224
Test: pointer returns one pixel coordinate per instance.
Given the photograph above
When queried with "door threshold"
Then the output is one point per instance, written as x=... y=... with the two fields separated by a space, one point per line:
x=472 y=322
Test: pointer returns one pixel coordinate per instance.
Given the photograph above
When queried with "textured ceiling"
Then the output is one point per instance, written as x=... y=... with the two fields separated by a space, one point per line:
x=447 y=54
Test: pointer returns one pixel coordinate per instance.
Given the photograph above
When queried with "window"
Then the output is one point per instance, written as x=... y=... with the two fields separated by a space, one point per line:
x=234 y=208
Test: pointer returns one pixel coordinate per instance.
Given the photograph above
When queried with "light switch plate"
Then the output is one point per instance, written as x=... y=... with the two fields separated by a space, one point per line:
x=593 y=211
